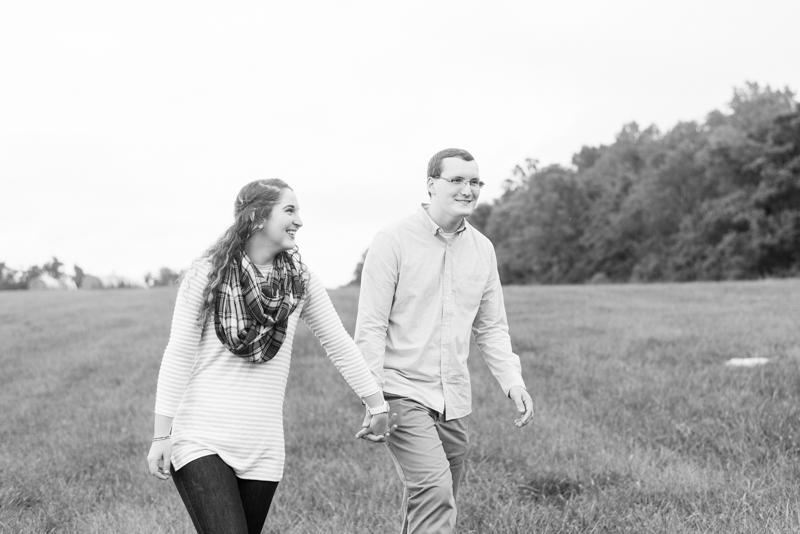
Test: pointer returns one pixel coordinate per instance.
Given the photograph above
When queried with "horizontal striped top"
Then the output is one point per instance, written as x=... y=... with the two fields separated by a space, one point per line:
x=225 y=405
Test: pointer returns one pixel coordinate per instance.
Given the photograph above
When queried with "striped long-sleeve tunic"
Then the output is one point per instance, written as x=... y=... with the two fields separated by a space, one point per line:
x=225 y=405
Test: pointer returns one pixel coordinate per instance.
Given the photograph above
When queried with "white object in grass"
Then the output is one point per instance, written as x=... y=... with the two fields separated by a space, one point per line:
x=746 y=362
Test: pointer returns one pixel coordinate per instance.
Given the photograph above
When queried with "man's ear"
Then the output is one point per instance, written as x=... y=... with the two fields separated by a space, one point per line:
x=430 y=185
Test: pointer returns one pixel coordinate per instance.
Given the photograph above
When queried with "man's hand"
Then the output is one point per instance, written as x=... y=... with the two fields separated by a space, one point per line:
x=524 y=404
x=376 y=428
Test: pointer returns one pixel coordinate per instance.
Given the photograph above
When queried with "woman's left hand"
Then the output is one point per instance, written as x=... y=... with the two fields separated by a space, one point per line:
x=376 y=428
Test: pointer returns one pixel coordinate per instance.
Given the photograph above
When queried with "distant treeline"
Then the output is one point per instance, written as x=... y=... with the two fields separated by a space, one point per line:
x=19 y=279
x=23 y=278
x=715 y=200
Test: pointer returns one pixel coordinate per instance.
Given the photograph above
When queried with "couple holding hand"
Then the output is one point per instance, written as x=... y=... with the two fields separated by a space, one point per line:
x=428 y=281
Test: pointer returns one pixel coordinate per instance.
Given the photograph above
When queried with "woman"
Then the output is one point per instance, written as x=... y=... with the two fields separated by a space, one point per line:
x=219 y=407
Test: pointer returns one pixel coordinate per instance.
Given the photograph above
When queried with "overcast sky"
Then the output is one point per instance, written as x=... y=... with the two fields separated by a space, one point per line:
x=127 y=128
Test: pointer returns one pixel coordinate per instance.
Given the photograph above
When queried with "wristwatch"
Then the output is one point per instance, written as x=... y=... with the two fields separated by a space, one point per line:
x=383 y=408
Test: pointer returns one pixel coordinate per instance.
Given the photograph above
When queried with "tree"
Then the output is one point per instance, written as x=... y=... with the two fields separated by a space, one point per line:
x=480 y=217
x=537 y=226
x=712 y=200
x=614 y=225
x=32 y=272
x=167 y=277
x=356 y=280
x=10 y=278
x=754 y=229
x=79 y=276
x=54 y=268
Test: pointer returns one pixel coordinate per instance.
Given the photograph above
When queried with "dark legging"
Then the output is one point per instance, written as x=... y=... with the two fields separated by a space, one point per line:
x=218 y=502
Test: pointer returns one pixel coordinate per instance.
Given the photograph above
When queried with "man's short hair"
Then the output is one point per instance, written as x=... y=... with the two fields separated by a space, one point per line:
x=435 y=164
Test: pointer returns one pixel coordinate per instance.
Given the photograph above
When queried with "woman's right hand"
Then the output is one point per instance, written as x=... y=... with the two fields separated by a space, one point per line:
x=159 y=458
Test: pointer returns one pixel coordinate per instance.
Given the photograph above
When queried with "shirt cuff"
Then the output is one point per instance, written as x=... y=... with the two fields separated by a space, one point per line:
x=519 y=382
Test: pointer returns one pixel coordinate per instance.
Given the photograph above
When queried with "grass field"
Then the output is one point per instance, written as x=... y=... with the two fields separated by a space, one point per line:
x=640 y=426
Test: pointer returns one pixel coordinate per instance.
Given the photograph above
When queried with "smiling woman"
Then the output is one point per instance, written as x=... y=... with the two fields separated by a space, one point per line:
x=218 y=427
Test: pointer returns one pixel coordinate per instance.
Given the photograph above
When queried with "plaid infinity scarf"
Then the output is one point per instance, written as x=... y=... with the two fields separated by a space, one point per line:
x=251 y=311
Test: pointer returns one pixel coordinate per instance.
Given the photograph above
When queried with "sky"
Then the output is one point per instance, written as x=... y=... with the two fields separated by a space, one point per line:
x=127 y=128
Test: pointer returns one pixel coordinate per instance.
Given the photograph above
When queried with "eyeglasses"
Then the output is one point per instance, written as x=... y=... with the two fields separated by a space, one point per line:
x=461 y=182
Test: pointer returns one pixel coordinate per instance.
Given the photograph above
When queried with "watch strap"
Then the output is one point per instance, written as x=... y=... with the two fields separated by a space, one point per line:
x=383 y=408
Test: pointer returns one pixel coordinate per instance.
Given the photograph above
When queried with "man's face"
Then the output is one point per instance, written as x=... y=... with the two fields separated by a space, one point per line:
x=451 y=199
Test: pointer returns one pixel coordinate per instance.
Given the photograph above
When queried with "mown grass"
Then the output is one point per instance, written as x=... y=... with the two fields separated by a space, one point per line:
x=640 y=425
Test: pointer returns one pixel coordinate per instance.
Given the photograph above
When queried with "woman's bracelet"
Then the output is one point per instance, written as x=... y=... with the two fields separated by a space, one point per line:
x=162 y=438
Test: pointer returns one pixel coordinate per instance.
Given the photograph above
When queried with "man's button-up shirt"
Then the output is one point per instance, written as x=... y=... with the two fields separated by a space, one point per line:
x=421 y=297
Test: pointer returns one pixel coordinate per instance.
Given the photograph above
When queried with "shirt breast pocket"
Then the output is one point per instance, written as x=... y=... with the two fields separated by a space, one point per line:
x=469 y=288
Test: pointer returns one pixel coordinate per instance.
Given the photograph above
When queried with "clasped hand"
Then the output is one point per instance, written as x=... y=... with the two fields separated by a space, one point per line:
x=376 y=428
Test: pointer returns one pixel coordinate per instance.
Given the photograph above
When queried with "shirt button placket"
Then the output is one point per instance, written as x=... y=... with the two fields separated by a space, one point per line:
x=446 y=317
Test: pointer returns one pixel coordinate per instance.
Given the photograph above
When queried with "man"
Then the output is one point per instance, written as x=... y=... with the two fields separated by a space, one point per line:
x=428 y=280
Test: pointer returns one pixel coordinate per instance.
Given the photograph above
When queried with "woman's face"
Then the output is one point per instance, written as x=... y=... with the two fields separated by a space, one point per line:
x=283 y=223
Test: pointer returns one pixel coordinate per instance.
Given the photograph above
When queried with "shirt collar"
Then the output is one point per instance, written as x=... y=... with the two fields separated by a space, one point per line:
x=431 y=226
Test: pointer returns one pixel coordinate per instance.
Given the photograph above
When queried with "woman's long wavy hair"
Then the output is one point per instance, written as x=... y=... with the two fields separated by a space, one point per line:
x=253 y=206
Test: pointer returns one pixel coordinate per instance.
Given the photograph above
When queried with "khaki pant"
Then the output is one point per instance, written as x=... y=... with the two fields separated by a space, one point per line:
x=428 y=454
